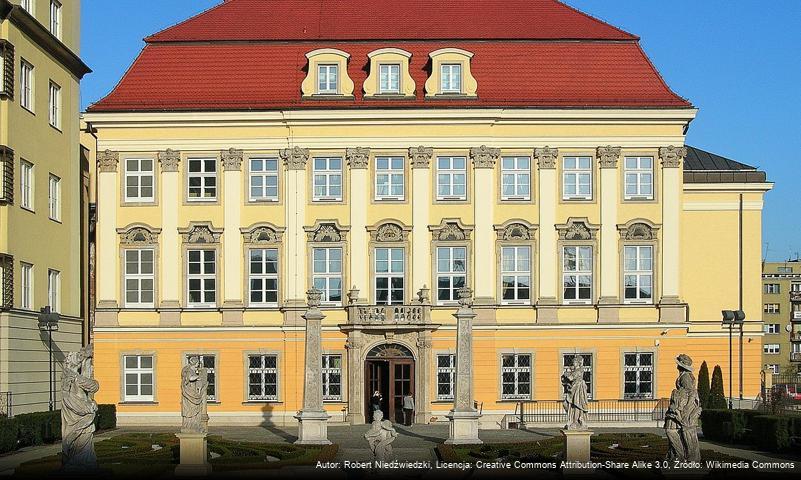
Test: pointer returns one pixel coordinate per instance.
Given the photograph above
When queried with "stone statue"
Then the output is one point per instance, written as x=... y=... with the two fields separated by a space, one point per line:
x=576 y=398
x=78 y=410
x=681 y=418
x=380 y=437
x=194 y=383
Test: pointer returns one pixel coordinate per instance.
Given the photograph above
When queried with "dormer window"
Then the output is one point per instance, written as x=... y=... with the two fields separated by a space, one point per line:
x=389 y=78
x=327 y=78
x=450 y=74
x=451 y=78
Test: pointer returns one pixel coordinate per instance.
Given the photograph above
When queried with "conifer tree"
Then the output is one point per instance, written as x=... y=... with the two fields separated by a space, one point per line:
x=703 y=385
x=717 y=399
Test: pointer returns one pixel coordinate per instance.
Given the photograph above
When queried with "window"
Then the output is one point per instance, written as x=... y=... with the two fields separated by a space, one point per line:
x=138 y=372
x=516 y=178
x=771 y=348
x=446 y=376
x=6 y=281
x=27 y=5
x=577 y=274
x=327 y=271
x=139 y=180
x=638 y=274
x=327 y=78
x=771 y=328
x=638 y=375
x=26 y=185
x=55 y=18
x=389 y=178
x=54 y=290
x=264 y=276
x=451 y=272
x=202 y=179
x=639 y=178
x=389 y=274
x=327 y=179
x=263 y=377
x=515 y=377
x=772 y=288
x=577 y=178
x=796 y=287
x=54 y=103
x=389 y=78
x=773 y=368
x=139 y=278
x=451 y=78
x=26 y=302
x=771 y=308
x=209 y=362
x=516 y=274
x=202 y=278
x=332 y=378
x=451 y=178
x=785 y=270
x=54 y=198
x=567 y=361
x=26 y=85
x=263 y=179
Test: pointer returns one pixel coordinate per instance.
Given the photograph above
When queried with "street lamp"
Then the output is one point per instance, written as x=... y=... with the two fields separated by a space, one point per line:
x=731 y=318
x=48 y=322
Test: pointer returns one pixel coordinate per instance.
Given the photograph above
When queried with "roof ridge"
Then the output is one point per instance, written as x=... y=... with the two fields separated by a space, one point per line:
x=592 y=17
x=181 y=22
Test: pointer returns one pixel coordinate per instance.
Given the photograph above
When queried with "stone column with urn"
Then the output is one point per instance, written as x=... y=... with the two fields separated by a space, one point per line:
x=313 y=419
x=464 y=417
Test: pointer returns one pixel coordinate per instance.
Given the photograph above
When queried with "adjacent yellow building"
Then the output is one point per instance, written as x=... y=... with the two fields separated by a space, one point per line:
x=781 y=311
x=43 y=196
x=545 y=169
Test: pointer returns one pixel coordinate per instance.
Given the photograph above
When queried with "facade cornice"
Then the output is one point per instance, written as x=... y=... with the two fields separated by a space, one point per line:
x=728 y=187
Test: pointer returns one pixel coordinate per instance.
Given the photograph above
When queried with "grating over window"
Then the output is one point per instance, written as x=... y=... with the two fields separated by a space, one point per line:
x=6 y=175
x=567 y=361
x=6 y=69
x=332 y=377
x=263 y=377
x=6 y=281
x=209 y=362
x=638 y=375
x=516 y=377
x=446 y=375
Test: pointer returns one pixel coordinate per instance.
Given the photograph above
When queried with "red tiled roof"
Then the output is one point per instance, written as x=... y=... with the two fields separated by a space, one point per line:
x=201 y=64
x=390 y=20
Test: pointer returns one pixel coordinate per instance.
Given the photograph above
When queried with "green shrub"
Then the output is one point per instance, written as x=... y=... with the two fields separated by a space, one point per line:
x=717 y=399
x=8 y=435
x=41 y=428
x=703 y=385
x=106 y=417
x=772 y=433
x=723 y=425
x=748 y=436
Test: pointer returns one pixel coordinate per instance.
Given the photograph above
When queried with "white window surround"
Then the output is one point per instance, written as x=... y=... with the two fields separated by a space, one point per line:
x=772 y=288
x=382 y=79
x=577 y=177
x=26 y=85
x=332 y=377
x=451 y=265
x=202 y=179
x=327 y=179
x=138 y=378
x=327 y=273
x=771 y=328
x=54 y=198
x=516 y=376
x=328 y=79
x=639 y=178
x=389 y=78
x=771 y=348
x=515 y=274
x=446 y=376
x=262 y=372
x=774 y=368
x=638 y=273
x=201 y=279
x=27 y=299
x=389 y=275
x=139 y=180
x=638 y=375
x=771 y=308
x=27 y=183
x=467 y=85
x=516 y=178
x=577 y=274
x=54 y=105
x=390 y=178
x=263 y=277
x=139 y=278
x=450 y=78
x=451 y=178
x=27 y=5
x=327 y=56
x=264 y=180
x=54 y=290
x=55 y=18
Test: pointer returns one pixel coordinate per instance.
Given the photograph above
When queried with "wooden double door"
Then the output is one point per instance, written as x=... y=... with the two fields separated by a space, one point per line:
x=392 y=378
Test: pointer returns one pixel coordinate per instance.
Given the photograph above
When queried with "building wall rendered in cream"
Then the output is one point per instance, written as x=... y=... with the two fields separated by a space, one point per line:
x=784 y=317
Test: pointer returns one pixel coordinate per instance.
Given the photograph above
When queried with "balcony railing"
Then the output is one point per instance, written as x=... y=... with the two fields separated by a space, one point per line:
x=795 y=297
x=795 y=356
x=795 y=336
x=796 y=317
x=389 y=314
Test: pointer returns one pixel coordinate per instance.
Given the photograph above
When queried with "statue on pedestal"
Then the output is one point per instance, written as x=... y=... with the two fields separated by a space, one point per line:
x=681 y=418
x=380 y=437
x=78 y=411
x=576 y=397
x=194 y=383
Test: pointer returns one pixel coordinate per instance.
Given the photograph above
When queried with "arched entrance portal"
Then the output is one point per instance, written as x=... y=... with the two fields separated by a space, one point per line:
x=389 y=369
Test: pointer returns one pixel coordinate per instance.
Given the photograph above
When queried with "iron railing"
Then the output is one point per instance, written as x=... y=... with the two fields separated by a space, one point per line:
x=5 y=405
x=599 y=411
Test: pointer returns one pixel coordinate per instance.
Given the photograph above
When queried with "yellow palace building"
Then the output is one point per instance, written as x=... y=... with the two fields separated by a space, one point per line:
x=531 y=153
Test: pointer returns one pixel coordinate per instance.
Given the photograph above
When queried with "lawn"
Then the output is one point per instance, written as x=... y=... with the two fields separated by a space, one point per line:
x=155 y=454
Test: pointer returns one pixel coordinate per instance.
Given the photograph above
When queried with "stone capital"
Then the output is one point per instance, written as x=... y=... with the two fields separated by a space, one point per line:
x=484 y=156
x=421 y=156
x=546 y=157
x=608 y=156
x=672 y=156
x=357 y=157
x=169 y=160
x=295 y=158
x=107 y=161
x=232 y=159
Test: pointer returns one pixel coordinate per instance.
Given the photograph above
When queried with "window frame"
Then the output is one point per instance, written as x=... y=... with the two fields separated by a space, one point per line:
x=578 y=272
x=56 y=19
x=327 y=372
x=451 y=173
x=638 y=172
x=563 y=355
x=389 y=90
x=264 y=276
x=210 y=372
x=54 y=290
x=139 y=175
x=516 y=370
x=327 y=67
x=638 y=273
x=264 y=174
x=139 y=277
x=391 y=173
x=772 y=289
x=27 y=181
x=516 y=172
x=516 y=274
x=451 y=273
x=54 y=198
x=768 y=349
x=449 y=88
x=576 y=174
x=202 y=276
x=28 y=6
x=449 y=370
x=54 y=105
x=139 y=371
x=638 y=368
x=27 y=279
x=389 y=275
x=328 y=173
x=328 y=275
x=203 y=175
x=771 y=328
x=26 y=85
x=262 y=370
x=771 y=308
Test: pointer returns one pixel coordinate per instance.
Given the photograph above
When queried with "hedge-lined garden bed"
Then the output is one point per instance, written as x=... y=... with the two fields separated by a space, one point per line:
x=41 y=428
x=774 y=433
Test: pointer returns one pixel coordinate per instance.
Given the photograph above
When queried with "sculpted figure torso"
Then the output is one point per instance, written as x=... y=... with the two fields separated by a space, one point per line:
x=576 y=397
x=681 y=418
x=78 y=410
x=380 y=437
x=194 y=382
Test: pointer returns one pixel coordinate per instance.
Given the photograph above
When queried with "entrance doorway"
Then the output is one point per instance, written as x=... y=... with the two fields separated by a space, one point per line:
x=389 y=370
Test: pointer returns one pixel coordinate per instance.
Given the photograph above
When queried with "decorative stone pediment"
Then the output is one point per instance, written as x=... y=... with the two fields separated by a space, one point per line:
x=201 y=233
x=139 y=234
x=326 y=231
x=262 y=233
x=484 y=156
x=546 y=157
x=421 y=156
x=232 y=159
x=358 y=157
x=608 y=156
x=107 y=161
x=577 y=229
x=294 y=158
x=451 y=229
x=391 y=231
x=672 y=156
x=638 y=230
x=515 y=230
x=169 y=160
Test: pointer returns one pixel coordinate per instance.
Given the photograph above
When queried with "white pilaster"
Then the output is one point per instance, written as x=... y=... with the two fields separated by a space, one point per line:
x=484 y=160
x=420 y=158
x=232 y=238
x=170 y=245
x=107 y=276
x=358 y=159
x=295 y=192
x=548 y=198
x=671 y=209
x=609 y=269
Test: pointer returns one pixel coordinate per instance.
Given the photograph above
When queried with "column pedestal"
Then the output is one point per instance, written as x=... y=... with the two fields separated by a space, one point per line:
x=577 y=450
x=464 y=428
x=194 y=455
x=312 y=428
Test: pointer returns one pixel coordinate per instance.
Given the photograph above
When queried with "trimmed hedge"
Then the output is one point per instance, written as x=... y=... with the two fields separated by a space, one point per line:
x=767 y=432
x=724 y=425
x=772 y=432
x=41 y=428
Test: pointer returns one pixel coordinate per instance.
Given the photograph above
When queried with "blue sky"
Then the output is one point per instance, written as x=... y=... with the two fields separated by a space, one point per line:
x=738 y=61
